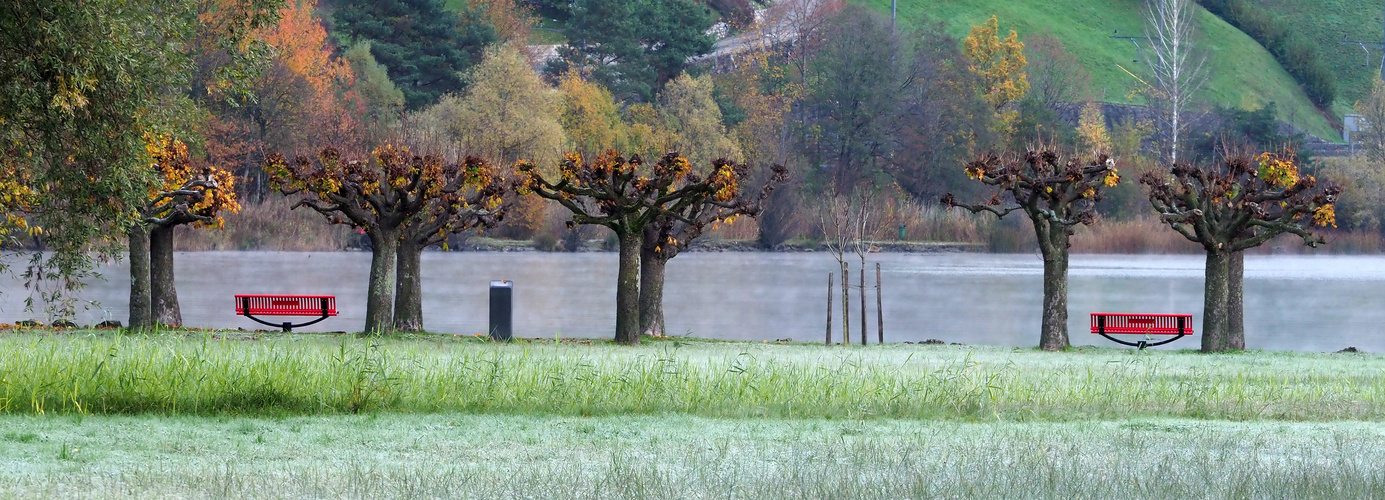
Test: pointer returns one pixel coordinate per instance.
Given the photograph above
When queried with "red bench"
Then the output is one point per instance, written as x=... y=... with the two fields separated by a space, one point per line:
x=286 y=305
x=1107 y=324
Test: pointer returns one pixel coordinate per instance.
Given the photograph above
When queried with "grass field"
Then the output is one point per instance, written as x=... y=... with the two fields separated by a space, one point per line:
x=88 y=414
x=1240 y=72
x=470 y=456
x=275 y=374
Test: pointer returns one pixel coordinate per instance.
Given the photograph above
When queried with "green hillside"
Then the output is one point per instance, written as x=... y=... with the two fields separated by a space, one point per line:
x=1241 y=72
x=1325 y=22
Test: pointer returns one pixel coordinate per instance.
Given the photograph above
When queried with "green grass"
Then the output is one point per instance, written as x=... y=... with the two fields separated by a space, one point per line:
x=469 y=456
x=1241 y=73
x=228 y=373
x=181 y=414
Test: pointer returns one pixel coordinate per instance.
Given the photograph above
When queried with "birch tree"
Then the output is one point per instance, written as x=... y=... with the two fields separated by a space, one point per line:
x=1178 y=70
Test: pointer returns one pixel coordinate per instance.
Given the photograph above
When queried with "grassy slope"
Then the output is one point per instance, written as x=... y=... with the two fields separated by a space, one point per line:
x=1241 y=72
x=1327 y=21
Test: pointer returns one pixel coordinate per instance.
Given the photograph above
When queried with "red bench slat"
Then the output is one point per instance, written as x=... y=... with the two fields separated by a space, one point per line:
x=1141 y=324
x=286 y=305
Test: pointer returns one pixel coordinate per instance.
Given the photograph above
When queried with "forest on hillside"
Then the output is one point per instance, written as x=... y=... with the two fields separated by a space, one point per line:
x=856 y=106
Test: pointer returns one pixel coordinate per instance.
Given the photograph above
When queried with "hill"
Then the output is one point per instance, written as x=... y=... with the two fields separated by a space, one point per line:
x=1241 y=73
x=1326 y=22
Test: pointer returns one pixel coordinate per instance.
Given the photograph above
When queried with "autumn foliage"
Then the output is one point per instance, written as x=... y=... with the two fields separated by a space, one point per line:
x=1231 y=206
x=999 y=63
x=1057 y=194
x=627 y=195
x=390 y=196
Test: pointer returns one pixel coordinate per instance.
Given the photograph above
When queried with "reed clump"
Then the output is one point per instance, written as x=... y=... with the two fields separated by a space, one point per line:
x=271 y=225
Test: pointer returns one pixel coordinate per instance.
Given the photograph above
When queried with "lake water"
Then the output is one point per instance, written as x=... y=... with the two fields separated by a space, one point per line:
x=1307 y=303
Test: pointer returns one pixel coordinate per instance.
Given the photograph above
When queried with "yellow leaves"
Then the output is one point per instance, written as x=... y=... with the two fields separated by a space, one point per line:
x=1325 y=215
x=1278 y=169
x=1112 y=178
x=1091 y=127
x=71 y=93
x=1089 y=192
x=974 y=172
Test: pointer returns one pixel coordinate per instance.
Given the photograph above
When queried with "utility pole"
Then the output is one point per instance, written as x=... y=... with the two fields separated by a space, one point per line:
x=1367 y=46
x=1139 y=50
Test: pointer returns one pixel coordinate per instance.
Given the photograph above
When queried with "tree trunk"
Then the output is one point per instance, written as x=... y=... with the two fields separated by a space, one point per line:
x=163 y=294
x=140 y=301
x=408 y=290
x=652 y=292
x=628 y=289
x=879 y=307
x=1053 y=244
x=1215 y=335
x=1235 y=301
x=380 y=291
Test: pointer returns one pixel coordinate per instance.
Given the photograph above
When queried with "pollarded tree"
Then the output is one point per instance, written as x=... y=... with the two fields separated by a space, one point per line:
x=380 y=195
x=1233 y=206
x=475 y=202
x=1056 y=193
x=186 y=195
x=626 y=196
x=672 y=232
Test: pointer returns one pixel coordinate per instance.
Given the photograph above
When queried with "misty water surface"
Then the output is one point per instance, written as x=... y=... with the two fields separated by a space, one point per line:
x=1310 y=303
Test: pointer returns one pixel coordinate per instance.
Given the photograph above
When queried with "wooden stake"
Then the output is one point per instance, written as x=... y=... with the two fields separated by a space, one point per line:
x=879 y=311
x=863 y=301
x=846 y=306
x=829 y=308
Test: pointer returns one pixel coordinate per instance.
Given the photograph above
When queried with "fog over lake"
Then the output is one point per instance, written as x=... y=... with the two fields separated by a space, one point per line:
x=1308 y=303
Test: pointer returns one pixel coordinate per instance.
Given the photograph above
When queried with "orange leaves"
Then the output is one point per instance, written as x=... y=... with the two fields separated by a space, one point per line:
x=302 y=47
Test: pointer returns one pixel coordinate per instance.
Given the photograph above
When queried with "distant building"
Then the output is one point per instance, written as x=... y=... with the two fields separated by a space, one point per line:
x=1351 y=124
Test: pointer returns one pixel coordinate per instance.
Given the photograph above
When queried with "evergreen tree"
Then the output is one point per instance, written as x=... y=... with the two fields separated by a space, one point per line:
x=633 y=47
x=426 y=47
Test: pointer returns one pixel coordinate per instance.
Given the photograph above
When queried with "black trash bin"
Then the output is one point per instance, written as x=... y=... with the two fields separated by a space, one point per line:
x=502 y=310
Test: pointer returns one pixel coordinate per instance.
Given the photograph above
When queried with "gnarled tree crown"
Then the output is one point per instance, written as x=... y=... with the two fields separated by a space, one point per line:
x=186 y=193
x=1242 y=201
x=676 y=230
x=395 y=188
x=1042 y=183
x=626 y=194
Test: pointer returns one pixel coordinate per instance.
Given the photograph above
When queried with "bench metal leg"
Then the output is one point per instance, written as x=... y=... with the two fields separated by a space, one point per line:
x=286 y=326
